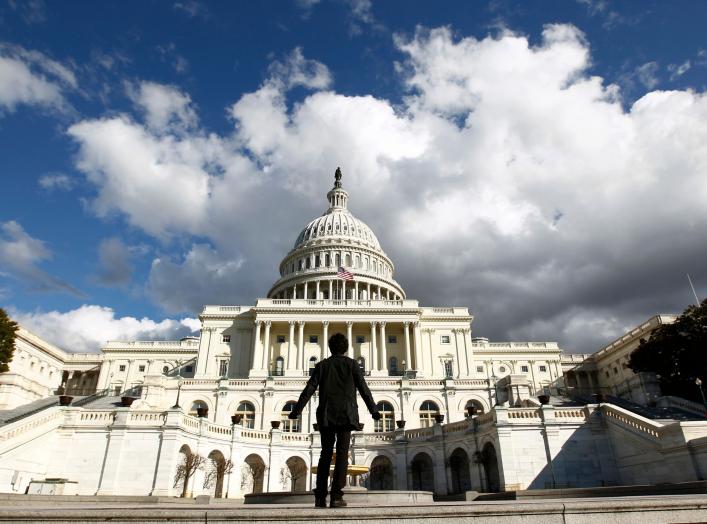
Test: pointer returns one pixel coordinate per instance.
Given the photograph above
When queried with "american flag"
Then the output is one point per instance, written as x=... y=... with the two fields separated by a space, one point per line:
x=344 y=273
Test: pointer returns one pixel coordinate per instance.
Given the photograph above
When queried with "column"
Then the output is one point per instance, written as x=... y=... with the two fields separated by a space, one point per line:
x=290 y=350
x=305 y=295
x=300 y=346
x=266 y=346
x=343 y=289
x=128 y=375
x=458 y=363
x=533 y=389
x=419 y=364
x=467 y=348
x=368 y=291
x=408 y=361
x=349 y=331
x=325 y=339
x=356 y=289
x=331 y=289
x=317 y=297
x=373 y=366
x=256 y=344
x=384 y=356
x=432 y=364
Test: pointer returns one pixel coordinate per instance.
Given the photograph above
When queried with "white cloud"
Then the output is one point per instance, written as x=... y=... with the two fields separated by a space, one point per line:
x=56 y=181
x=165 y=107
x=677 y=70
x=88 y=327
x=296 y=70
x=30 y=77
x=510 y=179
x=647 y=74
x=20 y=256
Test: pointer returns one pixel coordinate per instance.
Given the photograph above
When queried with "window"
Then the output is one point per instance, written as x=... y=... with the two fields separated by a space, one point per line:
x=247 y=413
x=197 y=404
x=479 y=369
x=314 y=339
x=279 y=367
x=309 y=263
x=616 y=371
x=362 y=364
x=188 y=369
x=312 y=363
x=524 y=369
x=299 y=264
x=121 y=367
x=393 y=366
x=477 y=405
x=387 y=420
x=360 y=339
x=281 y=339
x=225 y=338
x=607 y=372
x=290 y=426
x=445 y=339
x=392 y=339
x=223 y=368
x=543 y=369
x=327 y=260
x=428 y=410
x=448 y=369
x=141 y=368
x=165 y=370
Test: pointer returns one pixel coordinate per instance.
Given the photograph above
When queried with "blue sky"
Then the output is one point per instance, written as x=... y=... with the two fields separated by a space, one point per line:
x=567 y=209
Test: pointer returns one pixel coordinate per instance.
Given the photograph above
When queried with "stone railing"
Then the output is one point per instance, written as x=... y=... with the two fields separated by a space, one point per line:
x=575 y=414
x=255 y=434
x=348 y=303
x=420 y=433
x=44 y=420
x=684 y=404
x=524 y=414
x=456 y=427
x=96 y=418
x=632 y=421
x=374 y=438
x=297 y=438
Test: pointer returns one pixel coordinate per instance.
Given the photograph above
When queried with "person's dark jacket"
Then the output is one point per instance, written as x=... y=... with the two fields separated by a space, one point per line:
x=338 y=377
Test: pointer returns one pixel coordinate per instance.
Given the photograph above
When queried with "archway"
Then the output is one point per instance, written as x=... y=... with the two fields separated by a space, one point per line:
x=477 y=405
x=253 y=474
x=380 y=475
x=296 y=473
x=423 y=477
x=216 y=469
x=490 y=462
x=459 y=468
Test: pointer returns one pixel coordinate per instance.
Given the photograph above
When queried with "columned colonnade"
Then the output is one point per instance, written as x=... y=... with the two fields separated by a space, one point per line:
x=339 y=289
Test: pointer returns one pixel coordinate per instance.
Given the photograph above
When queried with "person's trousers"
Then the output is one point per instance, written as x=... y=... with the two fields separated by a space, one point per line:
x=329 y=436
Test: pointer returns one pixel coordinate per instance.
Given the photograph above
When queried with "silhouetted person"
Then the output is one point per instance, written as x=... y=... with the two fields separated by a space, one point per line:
x=338 y=377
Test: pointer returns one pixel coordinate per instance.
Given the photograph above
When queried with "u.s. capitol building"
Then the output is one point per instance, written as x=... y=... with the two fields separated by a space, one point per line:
x=459 y=412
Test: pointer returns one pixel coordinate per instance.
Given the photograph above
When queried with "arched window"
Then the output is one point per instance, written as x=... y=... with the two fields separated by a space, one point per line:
x=348 y=260
x=387 y=420
x=428 y=410
x=357 y=261
x=279 y=367
x=291 y=426
x=197 y=404
x=316 y=261
x=365 y=263
x=338 y=259
x=478 y=408
x=362 y=364
x=312 y=363
x=247 y=412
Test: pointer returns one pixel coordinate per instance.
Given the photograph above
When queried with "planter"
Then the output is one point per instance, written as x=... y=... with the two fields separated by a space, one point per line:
x=236 y=419
x=202 y=412
x=400 y=424
x=599 y=398
x=65 y=400
x=360 y=426
x=471 y=410
x=126 y=402
x=439 y=418
x=544 y=399
x=275 y=424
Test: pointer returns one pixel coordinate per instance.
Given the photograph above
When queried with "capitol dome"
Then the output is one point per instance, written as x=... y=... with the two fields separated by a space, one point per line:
x=337 y=239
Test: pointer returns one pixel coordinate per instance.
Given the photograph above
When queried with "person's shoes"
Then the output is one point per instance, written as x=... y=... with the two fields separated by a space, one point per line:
x=337 y=503
x=320 y=502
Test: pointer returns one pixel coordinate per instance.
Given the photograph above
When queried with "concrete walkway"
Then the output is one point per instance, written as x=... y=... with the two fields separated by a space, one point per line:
x=623 y=510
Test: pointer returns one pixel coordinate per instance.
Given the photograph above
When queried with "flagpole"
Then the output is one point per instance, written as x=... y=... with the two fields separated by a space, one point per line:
x=697 y=300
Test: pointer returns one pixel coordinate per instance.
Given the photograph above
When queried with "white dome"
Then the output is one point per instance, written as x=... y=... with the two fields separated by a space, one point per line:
x=339 y=225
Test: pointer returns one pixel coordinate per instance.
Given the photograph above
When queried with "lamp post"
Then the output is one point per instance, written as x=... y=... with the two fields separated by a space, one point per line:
x=494 y=378
x=179 y=384
x=702 y=392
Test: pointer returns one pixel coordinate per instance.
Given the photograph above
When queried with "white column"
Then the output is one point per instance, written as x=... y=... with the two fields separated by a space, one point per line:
x=368 y=291
x=325 y=339
x=373 y=366
x=290 y=350
x=384 y=355
x=419 y=364
x=128 y=375
x=255 y=369
x=408 y=361
x=356 y=290
x=343 y=289
x=349 y=331
x=266 y=346
x=331 y=290
x=432 y=364
x=305 y=291
x=300 y=346
x=317 y=291
x=467 y=348
x=458 y=363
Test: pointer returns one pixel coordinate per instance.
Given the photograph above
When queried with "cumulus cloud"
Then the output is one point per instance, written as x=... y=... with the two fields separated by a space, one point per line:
x=20 y=255
x=87 y=328
x=510 y=179
x=165 y=107
x=55 y=182
x=30 y=77
x=296 y=70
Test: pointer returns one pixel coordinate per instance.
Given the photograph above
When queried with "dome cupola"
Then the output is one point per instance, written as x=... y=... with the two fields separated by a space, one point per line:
x=337 y=239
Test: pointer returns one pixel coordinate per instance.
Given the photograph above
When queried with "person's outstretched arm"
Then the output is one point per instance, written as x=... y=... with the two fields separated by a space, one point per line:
x=364 y=391
x=307 y=393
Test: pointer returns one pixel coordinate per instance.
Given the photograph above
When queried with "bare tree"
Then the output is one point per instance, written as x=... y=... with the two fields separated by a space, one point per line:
x=215 y=474
x=292 y=472
x=253 y=475
x=190 y=464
